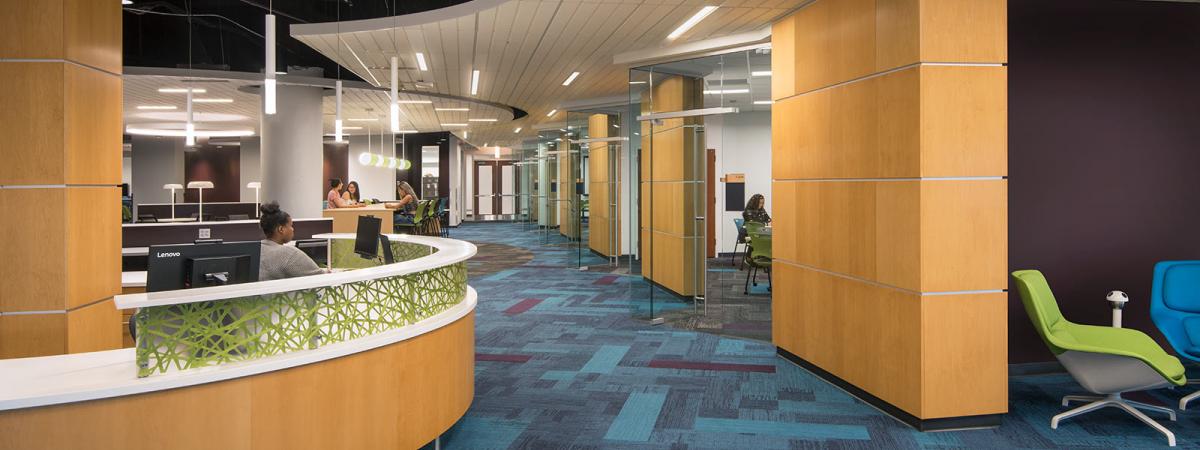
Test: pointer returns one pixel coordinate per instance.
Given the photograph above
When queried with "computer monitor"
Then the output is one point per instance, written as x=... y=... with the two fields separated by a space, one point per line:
x=366 y=242
x=184 y=266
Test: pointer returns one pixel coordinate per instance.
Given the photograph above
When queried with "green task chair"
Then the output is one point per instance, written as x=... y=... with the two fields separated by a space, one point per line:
x=759 y=257
x=1104 y=360
x=752 y=228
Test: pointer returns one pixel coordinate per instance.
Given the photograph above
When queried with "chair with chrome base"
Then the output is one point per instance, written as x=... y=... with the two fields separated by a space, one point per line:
x=1104 y=360
x=1175 y=308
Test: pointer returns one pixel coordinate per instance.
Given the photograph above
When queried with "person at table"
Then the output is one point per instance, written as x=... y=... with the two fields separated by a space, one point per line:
x=335 y=196
x=406 y=206
x=277 y=259
x=756 y=210
x=352 y=195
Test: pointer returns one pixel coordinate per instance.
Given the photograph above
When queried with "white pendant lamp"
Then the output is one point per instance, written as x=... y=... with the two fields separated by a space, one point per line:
x=269 y=67
x=190 y=131
x=337 y=114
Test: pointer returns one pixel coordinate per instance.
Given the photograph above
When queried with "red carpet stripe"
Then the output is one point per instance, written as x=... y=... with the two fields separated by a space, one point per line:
x=698 y=365
x=522 y=306
x=502 y=358
x=608 y=279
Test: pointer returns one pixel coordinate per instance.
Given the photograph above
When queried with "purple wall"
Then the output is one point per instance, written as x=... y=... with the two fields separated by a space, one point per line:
x=219 y=164
x=1104 y=153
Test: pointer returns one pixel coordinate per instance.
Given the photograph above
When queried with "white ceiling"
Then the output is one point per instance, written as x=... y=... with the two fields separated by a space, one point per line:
x=524 y=49
x=362 y=102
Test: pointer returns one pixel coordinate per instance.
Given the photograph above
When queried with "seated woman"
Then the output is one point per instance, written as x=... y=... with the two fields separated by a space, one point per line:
x=756 y=210
x=352 y=194
x=406 y=205
x=278 y=260
x=335 y=199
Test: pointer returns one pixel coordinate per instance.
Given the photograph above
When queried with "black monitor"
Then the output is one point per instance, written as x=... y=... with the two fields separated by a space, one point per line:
x=368 y=240
x=184 y=266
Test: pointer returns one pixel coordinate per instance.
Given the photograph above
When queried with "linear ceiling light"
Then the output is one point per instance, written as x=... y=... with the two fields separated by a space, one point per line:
x=451 y=109
x=552 y=113
x=518 y=130
x=727 y=91
x=406 y=131
x=637 y=82
x=763 y=102
x=691 y=22
x=351 y=128
x=571 y=78
x=415 y=102
x=421 y=62
x=481 y=120
x=182 y=90
x=269 y=67
x=156 y=108
x=183 y=133
x=474 y=82
x=212 y=100
x=454 y=124
x=760 y=73
x=362 y=120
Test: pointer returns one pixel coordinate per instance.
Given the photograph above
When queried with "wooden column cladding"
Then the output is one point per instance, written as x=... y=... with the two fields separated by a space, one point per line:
x=604 y=235
x=60 y=62
x=889 y=159
x=671 y=169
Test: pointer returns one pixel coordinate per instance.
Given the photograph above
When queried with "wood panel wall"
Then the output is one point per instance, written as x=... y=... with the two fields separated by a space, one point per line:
x=568 y=214
x=401 y=395
x=604 y=233
x=61 y=65
x=672 y=162
x=889 y=136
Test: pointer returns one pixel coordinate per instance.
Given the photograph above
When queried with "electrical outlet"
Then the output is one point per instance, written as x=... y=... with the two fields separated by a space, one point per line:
x=205 y=233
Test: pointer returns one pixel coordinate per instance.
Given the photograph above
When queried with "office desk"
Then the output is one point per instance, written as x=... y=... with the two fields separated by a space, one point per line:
x=345 y=220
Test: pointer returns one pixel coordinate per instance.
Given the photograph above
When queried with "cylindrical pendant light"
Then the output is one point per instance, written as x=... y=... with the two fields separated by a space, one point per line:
x=395 y=108
x=269 y=67
x=190 y=131
x=337 y=114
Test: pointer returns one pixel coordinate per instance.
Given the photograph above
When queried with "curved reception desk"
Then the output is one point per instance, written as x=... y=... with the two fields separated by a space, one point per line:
x=370 y=356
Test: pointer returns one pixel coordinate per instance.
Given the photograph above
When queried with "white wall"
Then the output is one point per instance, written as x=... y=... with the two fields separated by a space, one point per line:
x=375 y=182
x=743 y=144
x=251 y=166
x=456 y=180
x=154 y=162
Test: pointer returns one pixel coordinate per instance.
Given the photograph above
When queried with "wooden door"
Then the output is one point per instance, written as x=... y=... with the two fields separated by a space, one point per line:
x=711 y=214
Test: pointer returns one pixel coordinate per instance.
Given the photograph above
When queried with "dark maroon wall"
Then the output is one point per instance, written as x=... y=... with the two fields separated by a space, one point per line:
x=336 y=165
x=222 y=166
x=1104 y=152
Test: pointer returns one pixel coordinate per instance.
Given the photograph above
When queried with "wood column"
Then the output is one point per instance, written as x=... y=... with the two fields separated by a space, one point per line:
x=604 y=234
x=671 y=181
x=889 y=159
x=60 y=63
x=568 y=216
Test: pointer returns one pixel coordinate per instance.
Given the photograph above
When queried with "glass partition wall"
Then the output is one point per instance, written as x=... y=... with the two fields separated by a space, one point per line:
x=596 y=152
x=702 y=127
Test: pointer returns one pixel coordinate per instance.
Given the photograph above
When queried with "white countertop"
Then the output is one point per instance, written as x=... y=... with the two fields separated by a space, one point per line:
x=167 y=222
x=450 y=251
x=52 y=380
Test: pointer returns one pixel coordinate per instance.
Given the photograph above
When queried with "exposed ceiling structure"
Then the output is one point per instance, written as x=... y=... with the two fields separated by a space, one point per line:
x=364 y=108
x=525 y=49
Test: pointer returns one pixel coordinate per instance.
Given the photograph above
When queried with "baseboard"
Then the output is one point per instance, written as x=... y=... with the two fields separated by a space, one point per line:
x=1036 y=368
x=938 y=424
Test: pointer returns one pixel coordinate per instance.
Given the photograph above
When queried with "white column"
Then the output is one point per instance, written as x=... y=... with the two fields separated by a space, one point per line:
x=292 y=154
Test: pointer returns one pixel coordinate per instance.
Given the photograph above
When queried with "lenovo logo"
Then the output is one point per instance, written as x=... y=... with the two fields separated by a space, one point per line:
x=167 y=254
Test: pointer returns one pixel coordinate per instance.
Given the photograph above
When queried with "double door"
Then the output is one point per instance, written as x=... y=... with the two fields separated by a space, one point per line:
x=495 y=189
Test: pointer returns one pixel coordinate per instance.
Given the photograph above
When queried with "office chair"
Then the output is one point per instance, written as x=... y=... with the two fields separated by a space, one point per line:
x=741 y=239
x=759 y=257
x=752 y=229
x=1104 y=360
x=1175 y=309
x=147 y=218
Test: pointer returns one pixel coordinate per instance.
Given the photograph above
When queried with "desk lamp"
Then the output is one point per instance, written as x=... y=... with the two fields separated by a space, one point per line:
x=173 y=187
x=200 y=186
x=257 y=186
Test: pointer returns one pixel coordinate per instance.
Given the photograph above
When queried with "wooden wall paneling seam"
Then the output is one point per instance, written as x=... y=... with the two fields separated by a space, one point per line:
x=964 y=121
x=94 y=327
x=93 y=33
x=92 y=269
x=964 y=235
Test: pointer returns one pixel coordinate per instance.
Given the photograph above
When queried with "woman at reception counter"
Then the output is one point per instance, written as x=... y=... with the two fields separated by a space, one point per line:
x=279 y=260
x=406 y=205
x=352 y=194
x=335 y=199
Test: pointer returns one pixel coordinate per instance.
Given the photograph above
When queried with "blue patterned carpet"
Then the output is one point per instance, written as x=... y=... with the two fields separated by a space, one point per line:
x=564 y=361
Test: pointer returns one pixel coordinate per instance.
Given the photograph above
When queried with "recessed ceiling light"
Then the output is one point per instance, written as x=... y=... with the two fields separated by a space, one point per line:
x=181 y=90
x=415 y=102
x=451 y=109
x=570 y=78
x=691 y=22
x=518 y=130
x=454 y=124
x=727 y=91
x=363 y=120
x=156 y=107
x=481 y=120
x=760 y=73
x=212 y=100
x=763 y=102
x=352 y=128
x=551 y=113
x=421 y=62
x=474 y=82
x=182 y=133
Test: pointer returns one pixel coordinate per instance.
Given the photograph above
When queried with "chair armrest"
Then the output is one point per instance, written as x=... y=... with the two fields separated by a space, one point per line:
x=1121 y=342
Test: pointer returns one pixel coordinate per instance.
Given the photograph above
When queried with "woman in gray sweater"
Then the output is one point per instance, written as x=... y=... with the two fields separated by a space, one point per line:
x=279 y=260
